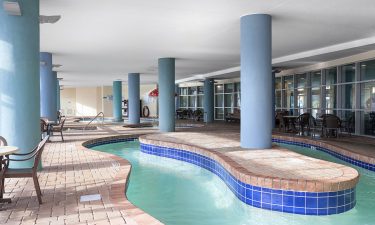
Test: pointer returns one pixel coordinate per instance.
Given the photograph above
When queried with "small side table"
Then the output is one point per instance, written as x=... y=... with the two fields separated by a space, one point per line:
x=5 y=151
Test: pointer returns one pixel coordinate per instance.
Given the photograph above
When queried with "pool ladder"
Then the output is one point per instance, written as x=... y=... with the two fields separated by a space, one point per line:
x=99 y=114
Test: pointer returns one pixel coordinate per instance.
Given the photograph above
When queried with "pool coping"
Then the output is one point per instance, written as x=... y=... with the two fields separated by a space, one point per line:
x=120 y=182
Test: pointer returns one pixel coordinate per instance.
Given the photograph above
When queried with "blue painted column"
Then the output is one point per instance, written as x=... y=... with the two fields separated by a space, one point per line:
x=209 y=100
x=134 y=98
x=166 y=94
x=19 y=78
x=117 y=101
x=48 y=98
x=58 y=101
x=256 y=82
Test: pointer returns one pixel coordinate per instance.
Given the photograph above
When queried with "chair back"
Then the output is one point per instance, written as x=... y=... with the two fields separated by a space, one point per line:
x=43 y=126
x=39 y=151
x=3 y=141
x=304 y=119
x=331 y=121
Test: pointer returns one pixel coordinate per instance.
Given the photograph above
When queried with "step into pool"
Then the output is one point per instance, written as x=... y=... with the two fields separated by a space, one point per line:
x=179 y=193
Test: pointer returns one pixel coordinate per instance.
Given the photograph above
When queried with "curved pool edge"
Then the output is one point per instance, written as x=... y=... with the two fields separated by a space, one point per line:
x=289 y=201
x=120 y=182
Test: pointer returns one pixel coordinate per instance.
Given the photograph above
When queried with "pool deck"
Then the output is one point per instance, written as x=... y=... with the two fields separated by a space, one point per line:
x=71 y=171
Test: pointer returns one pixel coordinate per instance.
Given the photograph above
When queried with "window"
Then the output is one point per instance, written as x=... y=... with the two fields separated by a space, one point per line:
x=348 y=73
x=368 y=70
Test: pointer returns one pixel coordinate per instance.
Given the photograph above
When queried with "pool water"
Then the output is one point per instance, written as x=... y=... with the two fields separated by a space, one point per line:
x=179 y=193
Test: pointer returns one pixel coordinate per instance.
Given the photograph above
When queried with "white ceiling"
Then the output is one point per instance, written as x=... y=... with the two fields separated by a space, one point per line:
x=101 y=41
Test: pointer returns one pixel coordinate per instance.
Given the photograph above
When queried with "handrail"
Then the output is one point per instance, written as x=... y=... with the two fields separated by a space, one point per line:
x=101 y=113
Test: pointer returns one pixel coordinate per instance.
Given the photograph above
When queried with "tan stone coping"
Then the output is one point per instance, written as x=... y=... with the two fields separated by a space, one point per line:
x=120 y=183
x=276 y=168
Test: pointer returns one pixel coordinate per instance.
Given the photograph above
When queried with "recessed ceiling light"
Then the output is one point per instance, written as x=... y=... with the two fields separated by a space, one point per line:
x=49 y=19
x=12 y=8
x=363 y=65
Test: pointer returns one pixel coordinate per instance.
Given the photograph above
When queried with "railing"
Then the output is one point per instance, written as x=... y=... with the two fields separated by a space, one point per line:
x=101 y=113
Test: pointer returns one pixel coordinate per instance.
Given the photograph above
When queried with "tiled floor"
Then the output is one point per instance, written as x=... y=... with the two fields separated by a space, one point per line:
x=70 y=171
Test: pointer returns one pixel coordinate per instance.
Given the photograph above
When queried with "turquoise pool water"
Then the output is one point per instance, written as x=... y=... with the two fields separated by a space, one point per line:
x=179 y=193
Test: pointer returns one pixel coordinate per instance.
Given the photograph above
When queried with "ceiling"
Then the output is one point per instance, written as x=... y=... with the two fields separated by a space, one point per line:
x=101 y=41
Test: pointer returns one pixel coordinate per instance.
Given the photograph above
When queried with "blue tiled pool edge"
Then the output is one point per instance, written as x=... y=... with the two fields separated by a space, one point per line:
x=296 y=202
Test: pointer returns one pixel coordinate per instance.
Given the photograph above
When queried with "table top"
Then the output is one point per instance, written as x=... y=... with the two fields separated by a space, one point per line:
x=7 y=150
x=290 y=116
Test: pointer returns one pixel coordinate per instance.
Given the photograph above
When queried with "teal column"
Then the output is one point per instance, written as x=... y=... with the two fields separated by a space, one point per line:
x=166 y=94
x=134 y=98
x=209 y=100
x=256 y=82
x=273 y=99
x=19 y=78
x=117 y=101
x=58 y=102
x=48 y=93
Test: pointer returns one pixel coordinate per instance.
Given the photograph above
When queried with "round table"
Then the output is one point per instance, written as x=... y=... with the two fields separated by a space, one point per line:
x=4 y=151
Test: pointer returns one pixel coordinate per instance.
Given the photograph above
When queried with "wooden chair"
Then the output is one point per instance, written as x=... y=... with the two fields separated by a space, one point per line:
x=303 y=121
x=59 y=128
x=331 y=125
x=35 y=154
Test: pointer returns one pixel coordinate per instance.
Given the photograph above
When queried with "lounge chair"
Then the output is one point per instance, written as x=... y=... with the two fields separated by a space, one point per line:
x=59 y=128
x=3 y=141
x=234 y=117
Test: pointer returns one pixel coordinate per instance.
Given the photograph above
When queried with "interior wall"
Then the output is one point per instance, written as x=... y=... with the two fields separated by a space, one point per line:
x=68 y=101
x=151 y=103
x=86 y=101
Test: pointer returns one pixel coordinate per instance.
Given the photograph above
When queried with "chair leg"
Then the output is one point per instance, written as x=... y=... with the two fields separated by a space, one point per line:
x=37 y=188
x=2 y=188
x=62 y=136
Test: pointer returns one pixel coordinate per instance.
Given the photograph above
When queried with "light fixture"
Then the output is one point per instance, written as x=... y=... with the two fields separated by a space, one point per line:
x=43 y=63
x=60 y=78
x=49 y=19
x=12 y=8
x=56 y=65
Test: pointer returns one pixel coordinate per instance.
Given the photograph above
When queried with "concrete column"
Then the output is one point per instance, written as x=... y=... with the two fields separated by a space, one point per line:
x=134 y=98
x=256 y=82
x=19 y=78
x=117 y=101
x=209 y=100
x=48 y=93
x=166 y=94
x=58 y=104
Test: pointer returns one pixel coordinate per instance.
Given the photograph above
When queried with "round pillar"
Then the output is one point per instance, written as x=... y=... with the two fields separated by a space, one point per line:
x=134 y=98
x=256 y=82
x=166 y=94
x=117 y=101
x=19 y=78
x=48 y=93
x=209 y=100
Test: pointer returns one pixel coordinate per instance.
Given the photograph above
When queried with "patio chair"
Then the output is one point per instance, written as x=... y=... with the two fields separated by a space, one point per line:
x=35 y=154
x=198 y=115
x=282 y=121
x=3 y=141
x=331 y=125
x=44 y=128
x=59 y=128
x=303 y=121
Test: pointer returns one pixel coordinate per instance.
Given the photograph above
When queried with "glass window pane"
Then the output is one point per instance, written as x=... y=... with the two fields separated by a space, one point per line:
x=288 y=82
x=331 y=76
x=237 y=87
x=219 y=88
x=219 y=100
x=192 y=90
x=368 y=70
x=229 y=88
x=315 y=98
x=278 y=99
x=331 y=96
x=316 y=79
x=192 y=101
x=200 y=90
x=183 y=101
x=289 y=99
x=219 y=114
x=347 y=93
x=200 y=101
x=301 y=80
x=348 y=73
x=368 y=123
x=228 y=101
x=183 y=91
x=236 y=99
x=278 y=83
x=301 y=98
x=368 y=96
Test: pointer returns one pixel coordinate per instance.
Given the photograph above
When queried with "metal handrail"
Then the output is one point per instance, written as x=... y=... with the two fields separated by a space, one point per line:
x=101 y=113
